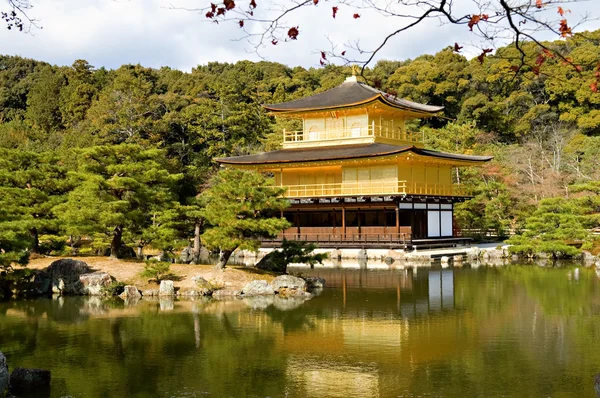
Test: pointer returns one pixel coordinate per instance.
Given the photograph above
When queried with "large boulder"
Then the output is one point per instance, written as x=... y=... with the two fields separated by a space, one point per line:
x=274 y=262
x=257 y=288
x=203 y=287
x=64 y=276
x=186 y=256
x=27 y=381
x=130 y=292
x=166 y=288
x=289 y=282
x=95 y=283
x=3 y=374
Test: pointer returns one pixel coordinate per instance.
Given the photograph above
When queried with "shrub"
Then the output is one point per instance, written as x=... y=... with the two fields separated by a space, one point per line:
x=114 y=289
x=156 y=270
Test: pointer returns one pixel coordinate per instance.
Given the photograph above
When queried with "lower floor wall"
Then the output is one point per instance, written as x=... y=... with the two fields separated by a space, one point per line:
x=402 y=220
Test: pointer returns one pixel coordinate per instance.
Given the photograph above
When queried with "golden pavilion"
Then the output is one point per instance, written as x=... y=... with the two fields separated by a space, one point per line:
x=356 y=177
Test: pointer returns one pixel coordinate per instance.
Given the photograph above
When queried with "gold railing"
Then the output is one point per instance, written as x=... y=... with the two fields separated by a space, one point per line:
x=374 y=188
x=346 y=189
x=350 y=133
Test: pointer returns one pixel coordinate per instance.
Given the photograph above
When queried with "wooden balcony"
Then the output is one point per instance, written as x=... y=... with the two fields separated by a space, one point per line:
x=297 y=139
x=374 y=188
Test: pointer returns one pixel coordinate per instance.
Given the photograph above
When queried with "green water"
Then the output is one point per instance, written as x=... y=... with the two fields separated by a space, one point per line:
x=512 y=331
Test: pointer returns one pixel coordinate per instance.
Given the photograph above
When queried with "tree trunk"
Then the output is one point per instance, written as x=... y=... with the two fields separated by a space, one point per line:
x=223 y=258
x=116 y=242
x=35 y=247
x=140 y=252
x=196 y=248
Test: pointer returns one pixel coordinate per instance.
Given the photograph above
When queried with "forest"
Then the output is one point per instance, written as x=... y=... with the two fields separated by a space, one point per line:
x=97 y=153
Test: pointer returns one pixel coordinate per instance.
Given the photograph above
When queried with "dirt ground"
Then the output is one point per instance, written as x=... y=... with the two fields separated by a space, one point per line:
x=128 y=271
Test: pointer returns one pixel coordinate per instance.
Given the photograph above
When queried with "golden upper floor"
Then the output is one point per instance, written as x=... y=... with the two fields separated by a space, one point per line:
x=352 y=113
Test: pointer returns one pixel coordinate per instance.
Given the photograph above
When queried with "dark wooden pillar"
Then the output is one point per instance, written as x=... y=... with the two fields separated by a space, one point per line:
x=297 y=218
x=397 y=220
x=358 y=216
x=343 y=221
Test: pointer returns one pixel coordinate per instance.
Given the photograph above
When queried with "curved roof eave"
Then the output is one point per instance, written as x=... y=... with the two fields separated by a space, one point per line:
x=380 y=97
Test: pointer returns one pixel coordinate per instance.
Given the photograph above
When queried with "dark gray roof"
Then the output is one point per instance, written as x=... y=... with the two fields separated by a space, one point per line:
x=350 y=93
x=339 y=153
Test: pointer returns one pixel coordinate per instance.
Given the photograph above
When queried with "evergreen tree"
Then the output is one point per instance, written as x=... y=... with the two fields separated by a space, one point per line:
x=119 y=190
x=239 y=211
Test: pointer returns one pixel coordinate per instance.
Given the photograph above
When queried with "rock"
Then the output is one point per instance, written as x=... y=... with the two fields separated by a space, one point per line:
x=257 y=288
x=26 y=381
x=123 y=252
x=186 y=256
x=288 y=282
x=458 y=258
x=225 y=293
x=166 y=288
x=445 y=259
x=274 y=261
x=64 y=276
x=288 y=303
x=314 y=282
x=588 y=258
x=3 y=375
x=93 y=284
x=543 y=255
x=204 y=287
x=150 y=293
x=130 y=292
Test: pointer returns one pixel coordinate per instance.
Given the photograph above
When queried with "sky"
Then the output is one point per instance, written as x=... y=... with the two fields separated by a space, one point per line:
x=156 y=33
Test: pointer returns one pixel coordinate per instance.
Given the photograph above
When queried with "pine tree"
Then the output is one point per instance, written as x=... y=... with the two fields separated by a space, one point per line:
x=119 y=189
x=240 y=210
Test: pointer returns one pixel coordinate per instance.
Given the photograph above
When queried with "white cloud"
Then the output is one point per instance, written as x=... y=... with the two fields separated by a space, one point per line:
x=112 y=33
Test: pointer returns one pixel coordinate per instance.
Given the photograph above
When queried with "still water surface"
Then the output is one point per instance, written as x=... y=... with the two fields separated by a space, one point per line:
x=511 y=331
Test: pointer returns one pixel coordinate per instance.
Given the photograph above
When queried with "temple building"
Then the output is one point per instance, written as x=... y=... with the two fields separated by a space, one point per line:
x=355 y=175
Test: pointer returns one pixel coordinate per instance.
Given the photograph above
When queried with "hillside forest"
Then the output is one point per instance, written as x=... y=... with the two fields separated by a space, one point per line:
x=90 y=152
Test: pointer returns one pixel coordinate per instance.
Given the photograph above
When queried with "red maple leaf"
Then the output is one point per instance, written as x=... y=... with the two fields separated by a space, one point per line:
x=457 y=48
x=220 y=11
x=564 y=28
x=323 y=55
x=562 y=11
x=229 y=4
x=315 y=2
x=536 y=70
x=483 y=54
x=274 y=42
x=334 y=10
x=213 y=7
x=540 y=59
x=343 y=53
x=210 y=14
x=548 y=53
x=252 y=4
x=514 y=68
x=539 y=3
x=594 y=87
x=356 y=16
x=322 y=62
x=241 y=23
x=293 y=33
x=473 y=21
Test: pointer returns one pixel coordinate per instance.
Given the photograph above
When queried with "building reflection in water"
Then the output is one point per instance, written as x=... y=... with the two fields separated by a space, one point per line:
x=417 y=291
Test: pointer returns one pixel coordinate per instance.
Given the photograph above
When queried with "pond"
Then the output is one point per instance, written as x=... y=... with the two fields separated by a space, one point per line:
x=512 y=331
